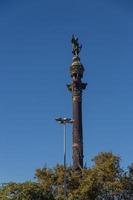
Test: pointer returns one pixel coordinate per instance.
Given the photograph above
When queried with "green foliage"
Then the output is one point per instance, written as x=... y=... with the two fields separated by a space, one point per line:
x=24 y=191
x=105 y=180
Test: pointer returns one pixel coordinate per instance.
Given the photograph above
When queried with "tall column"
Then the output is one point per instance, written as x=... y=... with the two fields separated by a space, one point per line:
x=76 y=87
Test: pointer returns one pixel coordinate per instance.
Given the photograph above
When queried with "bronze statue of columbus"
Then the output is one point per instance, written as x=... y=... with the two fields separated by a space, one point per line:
x=75 y=45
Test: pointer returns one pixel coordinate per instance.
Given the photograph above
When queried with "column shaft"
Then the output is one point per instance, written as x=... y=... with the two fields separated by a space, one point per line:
x=77 y=132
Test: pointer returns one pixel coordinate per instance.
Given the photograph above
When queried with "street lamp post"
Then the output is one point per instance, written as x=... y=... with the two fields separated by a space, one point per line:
x=64 y=121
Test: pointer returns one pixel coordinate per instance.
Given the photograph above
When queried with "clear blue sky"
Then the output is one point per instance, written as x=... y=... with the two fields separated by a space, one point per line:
x=35 y=55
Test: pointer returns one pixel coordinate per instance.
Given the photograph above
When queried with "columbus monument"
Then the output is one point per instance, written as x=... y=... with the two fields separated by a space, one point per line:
x=76 y=87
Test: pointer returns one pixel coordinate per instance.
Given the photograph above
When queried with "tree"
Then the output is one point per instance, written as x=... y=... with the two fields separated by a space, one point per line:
x=105 y=180
x=24 y=191
x=102 y=181
x=53 y=180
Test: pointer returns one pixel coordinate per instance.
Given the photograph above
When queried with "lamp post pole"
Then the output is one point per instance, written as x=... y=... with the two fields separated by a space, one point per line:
x=64 y=121
x=65 y=187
